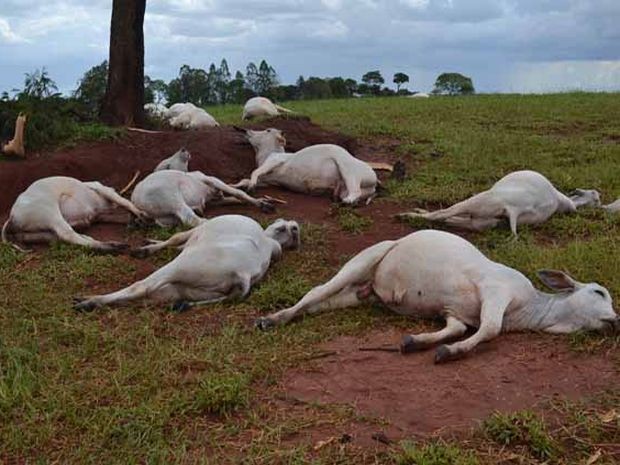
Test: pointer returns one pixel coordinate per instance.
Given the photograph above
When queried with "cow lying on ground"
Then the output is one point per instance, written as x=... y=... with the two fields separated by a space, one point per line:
x=51 y=207
x=613 y=207
x=524 y=197
x=318 y=169
x=179 y=161
x=433 y=274
x=261 y=106
x=189 y=116
x=221 y=258
x=171 y=197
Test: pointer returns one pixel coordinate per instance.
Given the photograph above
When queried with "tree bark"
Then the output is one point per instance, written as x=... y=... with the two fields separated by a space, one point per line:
x=123 y=103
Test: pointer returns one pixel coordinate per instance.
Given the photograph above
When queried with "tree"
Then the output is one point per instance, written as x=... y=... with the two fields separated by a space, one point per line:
x=236 y=89
x=315 y=88
x=453 y=84
x=266 y=79
x=400 y=79
x=192 y=85
x=351 y=85
x=91 y=88
x=155 y=90
x=223 y=82
x=123 y=103
x=38 y=84
x=251 y=77
x=373 y=80
x=338 y=87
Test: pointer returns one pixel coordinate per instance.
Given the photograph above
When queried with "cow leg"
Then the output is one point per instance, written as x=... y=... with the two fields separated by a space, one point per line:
x=347 y=297
x=65 y=233
x=355 y=276
x=491 y=315
x=157 y=281
x=187 y=216
x=111 y=196
x=472 y=223
x=240 y=286
x=176 y=240
x=226 y=201
x=34 y=237
x=480 y=206
x=414 y=342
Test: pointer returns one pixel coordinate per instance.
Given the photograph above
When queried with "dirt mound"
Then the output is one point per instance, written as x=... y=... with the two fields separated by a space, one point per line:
x=510 y=373
x=222 y=152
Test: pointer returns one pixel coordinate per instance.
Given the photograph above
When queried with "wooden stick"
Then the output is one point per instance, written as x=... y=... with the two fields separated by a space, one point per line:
x=378 y=349
x=131 y=183
x=275 y=200
x=145 y=131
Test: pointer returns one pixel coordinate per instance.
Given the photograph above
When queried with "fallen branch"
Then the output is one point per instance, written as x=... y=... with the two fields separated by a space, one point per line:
x=275 y=200
x=145 y=131
x=131 y=183
x=378 y=349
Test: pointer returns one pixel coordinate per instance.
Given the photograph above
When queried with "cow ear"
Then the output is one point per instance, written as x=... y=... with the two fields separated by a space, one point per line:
x=557 y=280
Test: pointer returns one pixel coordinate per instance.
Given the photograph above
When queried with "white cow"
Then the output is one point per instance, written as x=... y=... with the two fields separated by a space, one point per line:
x=419 y=95
x=261 y=106
x=189 y=116
x=51 y=207
x=613 y=207
x=221 y=258
x=156 y=110
x=179 y=161
x=524 y=197
x=170 y=197
x=431 y=274
x=318 y=169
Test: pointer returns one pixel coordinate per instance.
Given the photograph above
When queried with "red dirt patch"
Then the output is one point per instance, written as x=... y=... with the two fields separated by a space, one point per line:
x=416 y=397
x=221 y=152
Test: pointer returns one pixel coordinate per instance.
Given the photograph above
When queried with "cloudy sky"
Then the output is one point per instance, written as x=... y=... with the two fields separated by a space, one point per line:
x=504 y=45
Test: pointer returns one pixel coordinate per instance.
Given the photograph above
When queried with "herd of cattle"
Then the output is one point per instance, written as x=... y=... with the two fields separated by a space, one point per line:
x=426 y=274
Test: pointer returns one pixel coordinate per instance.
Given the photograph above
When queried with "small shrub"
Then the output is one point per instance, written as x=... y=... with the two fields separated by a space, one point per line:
x=352 y=222
x=221 y=394
x=435 y=453
x=522 y=428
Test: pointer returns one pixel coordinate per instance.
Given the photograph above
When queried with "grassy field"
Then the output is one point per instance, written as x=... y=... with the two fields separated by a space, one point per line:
x=144 y=385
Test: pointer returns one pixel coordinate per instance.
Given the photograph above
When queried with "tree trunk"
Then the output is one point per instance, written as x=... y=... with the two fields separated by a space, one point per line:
x=123 y=103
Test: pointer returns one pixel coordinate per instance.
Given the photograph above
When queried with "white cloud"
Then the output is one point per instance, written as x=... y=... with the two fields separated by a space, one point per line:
x=565 y=76
x=557 y=44
x=416 y=4
x=329 y=30
x=6 y=33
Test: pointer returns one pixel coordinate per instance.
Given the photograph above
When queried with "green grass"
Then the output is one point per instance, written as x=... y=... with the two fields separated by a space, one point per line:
x=351 y=221
x=522 y=428
x=434 y=453
x=141 y=384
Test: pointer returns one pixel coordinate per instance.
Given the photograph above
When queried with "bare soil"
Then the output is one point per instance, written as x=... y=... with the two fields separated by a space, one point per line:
x=415 y=396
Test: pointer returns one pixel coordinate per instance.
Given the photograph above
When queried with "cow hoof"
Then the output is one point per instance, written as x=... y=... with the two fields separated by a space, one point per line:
x=267 y=207
x=139 y=253
x=399 y=171
x=181 y=306
x=264 y=323
x=113 y=247
x=444 y=354
x=82 y=304
x=408 y=345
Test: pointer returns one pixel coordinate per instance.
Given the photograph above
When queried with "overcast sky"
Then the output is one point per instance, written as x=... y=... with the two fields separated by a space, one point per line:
x=503 y=45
